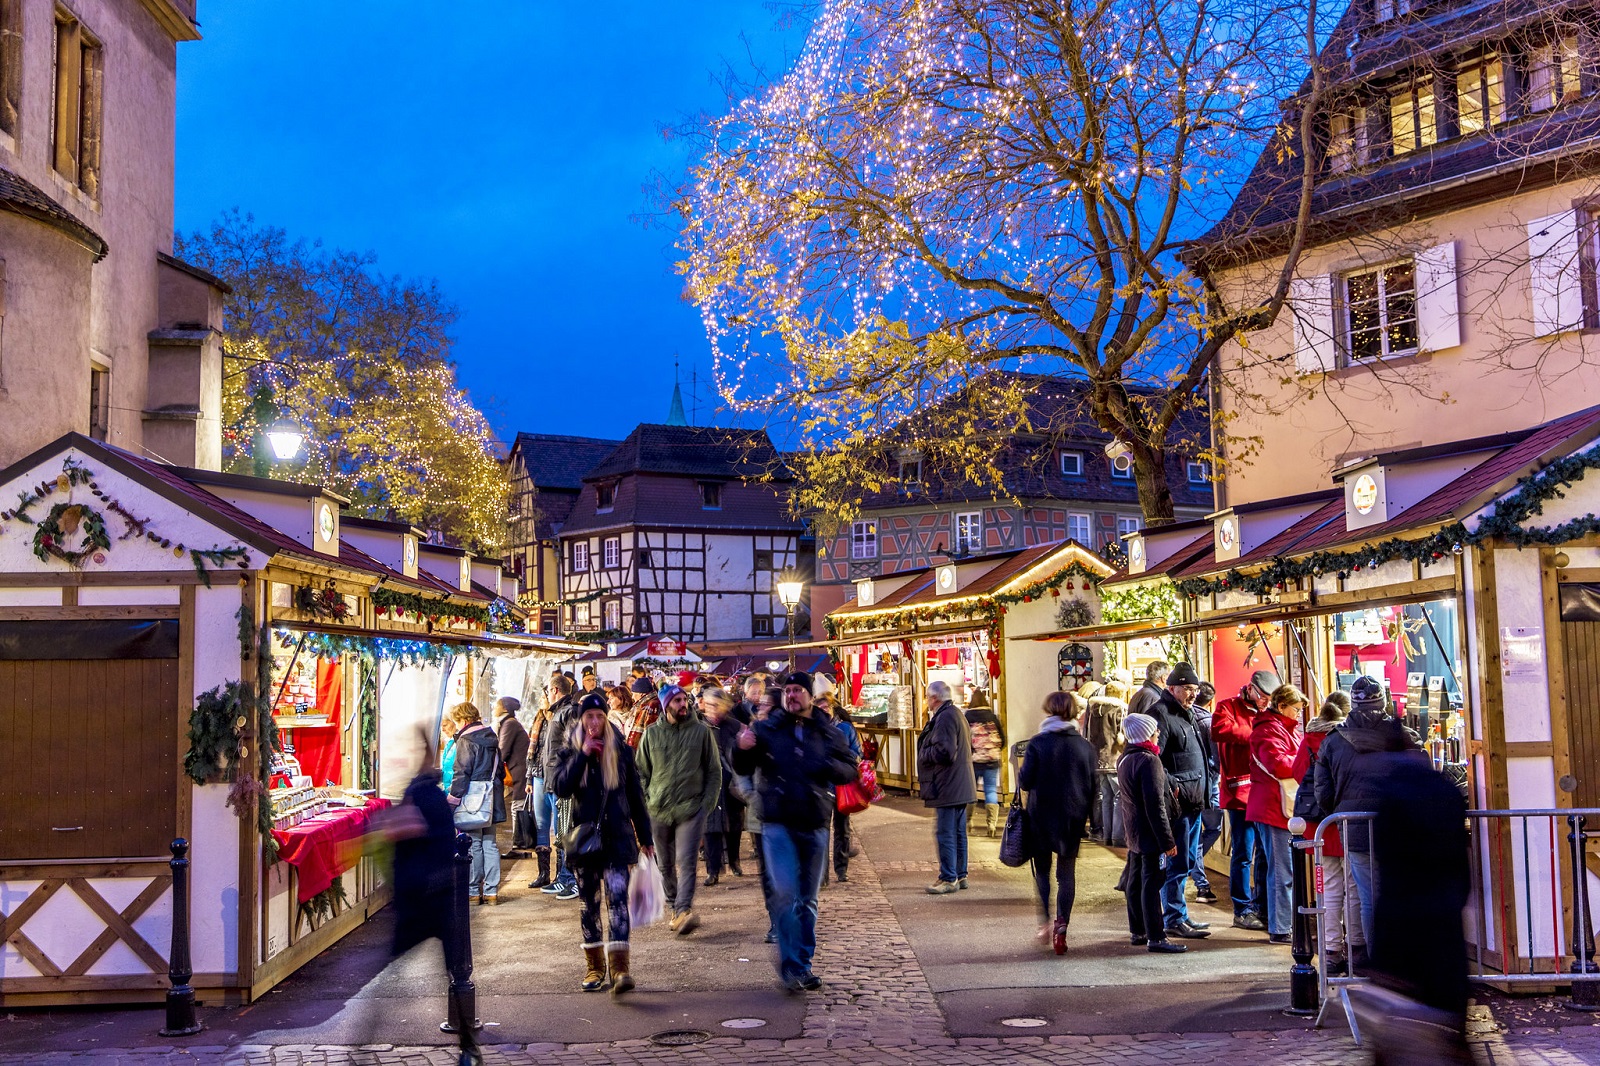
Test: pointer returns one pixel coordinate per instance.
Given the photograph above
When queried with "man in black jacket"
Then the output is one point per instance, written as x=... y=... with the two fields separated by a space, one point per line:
x=564 y=714
x=944 y=775
x=799 y=756
x=514 y=753
x=1348 y=778
x=1183 y=756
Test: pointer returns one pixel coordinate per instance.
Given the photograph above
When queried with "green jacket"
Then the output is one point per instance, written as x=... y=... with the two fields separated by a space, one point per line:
x=681 y=769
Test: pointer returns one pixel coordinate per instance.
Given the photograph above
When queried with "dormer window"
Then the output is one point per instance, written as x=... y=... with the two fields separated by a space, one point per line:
x=1347 y=140
x=1388 y=9
x=1480 y=95
x=1072 y=464
x=1553 y=73
x=605 y=496
x=710 y=496
x=910 y=473
x=1412 y=119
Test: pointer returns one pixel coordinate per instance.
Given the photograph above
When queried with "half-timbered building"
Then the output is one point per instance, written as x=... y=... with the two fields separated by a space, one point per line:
x=546 y=472
x=680 y=531
x=1059 y=484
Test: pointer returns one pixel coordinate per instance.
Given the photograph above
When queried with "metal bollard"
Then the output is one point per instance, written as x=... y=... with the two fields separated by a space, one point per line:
x=180 y=997
x=1585 y=994
x=1304 y=994
x=463 y=1001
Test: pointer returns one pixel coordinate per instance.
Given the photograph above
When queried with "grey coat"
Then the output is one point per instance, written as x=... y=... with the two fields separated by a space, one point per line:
x=944 y=759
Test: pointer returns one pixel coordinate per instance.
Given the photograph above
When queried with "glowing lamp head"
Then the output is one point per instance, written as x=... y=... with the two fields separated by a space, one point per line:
x=789 y=587
x=286 y=437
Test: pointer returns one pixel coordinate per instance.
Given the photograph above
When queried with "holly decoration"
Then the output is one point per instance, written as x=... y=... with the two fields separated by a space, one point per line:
x=56 y=531
x=325 y=604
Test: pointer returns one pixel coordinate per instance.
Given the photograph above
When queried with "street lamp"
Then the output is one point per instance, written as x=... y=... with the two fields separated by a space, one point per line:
x=286 y=436
x=273 y=430
x=789 y=589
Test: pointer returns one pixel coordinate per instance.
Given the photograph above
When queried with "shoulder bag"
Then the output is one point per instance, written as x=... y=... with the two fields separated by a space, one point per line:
x=1288 y=788
x=1014 y=850
x=476 y=809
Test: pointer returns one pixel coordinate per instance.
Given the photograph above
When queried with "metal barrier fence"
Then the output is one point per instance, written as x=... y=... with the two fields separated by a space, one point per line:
x=1529 y=903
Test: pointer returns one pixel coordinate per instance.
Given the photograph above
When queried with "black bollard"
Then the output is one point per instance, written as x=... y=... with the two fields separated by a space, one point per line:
x=1585 y=994
x=180 y=997
x=1304 y=994
x=463 y=1002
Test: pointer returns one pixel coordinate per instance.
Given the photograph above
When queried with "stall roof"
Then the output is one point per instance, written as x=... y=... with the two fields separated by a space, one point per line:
x=1177 y=560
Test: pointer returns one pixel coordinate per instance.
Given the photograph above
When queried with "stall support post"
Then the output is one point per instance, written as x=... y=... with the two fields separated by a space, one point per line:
x=463 y=1003
x=1585 y=994
x=1304 y=994
x=180 y=997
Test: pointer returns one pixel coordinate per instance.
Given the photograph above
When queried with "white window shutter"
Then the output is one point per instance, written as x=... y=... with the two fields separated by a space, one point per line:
x=1438 y=302
x=1311 y=307
x=1557 y=287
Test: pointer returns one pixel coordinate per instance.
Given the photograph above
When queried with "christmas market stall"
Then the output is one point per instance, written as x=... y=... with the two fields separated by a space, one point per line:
x=964 y=623
x=1462 y=577
x=230 y=660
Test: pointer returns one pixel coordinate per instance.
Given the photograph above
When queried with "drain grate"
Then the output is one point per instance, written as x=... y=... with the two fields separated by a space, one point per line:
x=744 y=1023
x=680 y=1037
x=1023 y=1023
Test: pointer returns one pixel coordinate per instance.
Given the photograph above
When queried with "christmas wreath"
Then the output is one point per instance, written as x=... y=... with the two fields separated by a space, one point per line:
x=50 y=536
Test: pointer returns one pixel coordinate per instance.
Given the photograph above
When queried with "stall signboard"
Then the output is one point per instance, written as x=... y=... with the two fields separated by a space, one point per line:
x=666 y=649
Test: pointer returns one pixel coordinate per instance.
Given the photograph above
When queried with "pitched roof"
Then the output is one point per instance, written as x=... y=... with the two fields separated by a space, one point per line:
x=19 y=195
x=1530 y=152
x=693 y=451
x=559 y=462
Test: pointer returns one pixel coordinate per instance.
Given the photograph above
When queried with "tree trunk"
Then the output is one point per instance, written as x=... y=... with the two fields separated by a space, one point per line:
x=1150 y=475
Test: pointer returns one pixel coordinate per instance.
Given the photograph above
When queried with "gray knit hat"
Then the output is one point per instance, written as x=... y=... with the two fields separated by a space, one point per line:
x=1139 y=728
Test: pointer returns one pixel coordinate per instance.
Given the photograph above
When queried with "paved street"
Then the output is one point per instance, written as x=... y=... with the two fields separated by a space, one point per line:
x=910 y=978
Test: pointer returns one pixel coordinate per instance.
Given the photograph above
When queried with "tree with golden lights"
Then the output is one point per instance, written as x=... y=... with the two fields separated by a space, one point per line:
x=938 y=189
x=362 y=361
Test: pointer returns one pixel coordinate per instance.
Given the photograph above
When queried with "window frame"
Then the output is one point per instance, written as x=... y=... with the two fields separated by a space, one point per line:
x=611 y=553
x=1204 y=468
x=762 y=560
x=1550 y=56
x=864 y=534
x=608 y=608
x=1415 y=91
x=756 y=626
x=77 y=92
x=1342 y=160
x=605 y=497
x=915 y=467
x=1077 y=460
x=1123 y=528
x=580 y=557
x=710 y=495
x=1087 y=540
x=99 y=402
x=1488 y=111
x=1346 y=323
x=580 y=614
x=970 y=541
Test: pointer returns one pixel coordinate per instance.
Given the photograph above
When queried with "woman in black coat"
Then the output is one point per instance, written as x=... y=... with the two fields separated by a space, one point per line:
x=1058 y=776
x=596 y=770
x=1145 y=803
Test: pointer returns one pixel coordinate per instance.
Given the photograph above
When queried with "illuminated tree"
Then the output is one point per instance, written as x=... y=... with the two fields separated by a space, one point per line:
x=940 y=188
x=362 y=361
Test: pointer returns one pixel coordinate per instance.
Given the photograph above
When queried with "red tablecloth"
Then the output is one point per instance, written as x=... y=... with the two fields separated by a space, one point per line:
x=322 y=848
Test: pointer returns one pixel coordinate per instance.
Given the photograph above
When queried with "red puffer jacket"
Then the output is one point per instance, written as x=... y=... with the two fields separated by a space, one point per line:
x=1274 y=742
x=1315 y=735
x=1231 y=723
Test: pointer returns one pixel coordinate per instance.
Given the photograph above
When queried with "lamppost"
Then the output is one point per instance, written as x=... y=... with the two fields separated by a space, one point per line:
x=789 y=589
x=282 y=434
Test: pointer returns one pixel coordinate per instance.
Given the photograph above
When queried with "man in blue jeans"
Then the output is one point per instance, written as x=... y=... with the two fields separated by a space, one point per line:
x=1183 y=755
x=944 y=774
x=799 y=755
x=1231 y=725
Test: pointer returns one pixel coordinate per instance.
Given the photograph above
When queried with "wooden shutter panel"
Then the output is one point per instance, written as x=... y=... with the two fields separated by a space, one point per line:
x=1438 y=301
x=1311 y=307
x=1556 y=280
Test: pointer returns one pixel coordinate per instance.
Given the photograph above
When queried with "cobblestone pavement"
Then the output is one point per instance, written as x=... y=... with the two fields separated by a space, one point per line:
x=876 y=1007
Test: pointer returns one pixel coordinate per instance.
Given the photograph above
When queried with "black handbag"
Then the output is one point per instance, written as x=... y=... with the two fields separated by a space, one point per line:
x=582 y=843
x=1014 y=838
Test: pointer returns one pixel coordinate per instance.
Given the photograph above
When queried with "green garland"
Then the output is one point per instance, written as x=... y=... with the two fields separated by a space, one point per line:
x=1506 y=522
x=324 y=604
x=49 y=538
x=259 y=694
x=384 y=649
x=528 y=603
x=985 y=610
x=1144 y=601
x=388 y=601
x=367 y=702
x=216 y=726
x=325 y=904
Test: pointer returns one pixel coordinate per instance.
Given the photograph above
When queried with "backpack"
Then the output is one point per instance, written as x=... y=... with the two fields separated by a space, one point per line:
x=985 y=743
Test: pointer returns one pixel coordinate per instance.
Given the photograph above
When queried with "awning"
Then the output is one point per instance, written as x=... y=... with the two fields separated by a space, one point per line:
x=1331 y=603
x=888 y=635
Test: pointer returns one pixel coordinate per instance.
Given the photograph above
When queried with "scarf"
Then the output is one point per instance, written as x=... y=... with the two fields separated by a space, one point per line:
x=1148 y=745
x=1052 y=724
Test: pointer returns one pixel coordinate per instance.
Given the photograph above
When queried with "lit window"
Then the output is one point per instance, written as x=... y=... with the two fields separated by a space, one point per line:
x=710 y=496
x=580 y=614
x=1553 y=74
x=1122 y=467
x=1380 y=308
x=76 y=129
x=612 y=612
x=1347 y=141
x=1078 y=528
x=864 y=540
x=1072 y=464
x=612 y=553
x=1411 y=119
x=1480 y=95
x=1199 y=472
x=968 y=532
x=1388 y=9
x=1127 y=525
x=605 y=496
x=580 y=556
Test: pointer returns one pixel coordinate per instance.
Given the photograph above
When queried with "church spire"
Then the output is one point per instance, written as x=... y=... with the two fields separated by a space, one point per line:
x=675 y=416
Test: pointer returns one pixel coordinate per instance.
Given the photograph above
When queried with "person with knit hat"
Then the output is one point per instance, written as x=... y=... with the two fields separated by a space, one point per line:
x=1231 y=724
x=1275 y=740
x=1183 y=756
x=681 y=768
x=643 y=710
x=1145 y=801
x=1102 y=728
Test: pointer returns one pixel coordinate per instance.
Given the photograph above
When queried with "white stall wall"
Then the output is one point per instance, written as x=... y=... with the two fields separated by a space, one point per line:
x=214 y=883
x=408 y=711
x=1520 y=601
x=1030 y=673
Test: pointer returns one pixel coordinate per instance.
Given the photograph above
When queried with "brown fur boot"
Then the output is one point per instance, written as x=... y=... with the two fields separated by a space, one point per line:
x=594 y=979
x=621 y=982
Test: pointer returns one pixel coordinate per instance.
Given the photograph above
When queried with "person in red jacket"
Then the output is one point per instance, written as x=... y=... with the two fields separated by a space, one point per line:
x=1274 y=742
x=1335 y=931
x=1231 y=723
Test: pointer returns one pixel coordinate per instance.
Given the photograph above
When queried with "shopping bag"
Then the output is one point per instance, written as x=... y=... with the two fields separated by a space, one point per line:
x=646 y=893
x=1014 y=849
x=869 y=781
x=851 y=799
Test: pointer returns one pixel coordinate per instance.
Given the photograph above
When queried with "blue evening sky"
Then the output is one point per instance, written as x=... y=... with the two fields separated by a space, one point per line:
x=502 y=150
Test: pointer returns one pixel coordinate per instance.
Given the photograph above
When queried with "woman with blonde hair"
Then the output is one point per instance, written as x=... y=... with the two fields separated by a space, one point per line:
x=610 y=828
x=478 y=767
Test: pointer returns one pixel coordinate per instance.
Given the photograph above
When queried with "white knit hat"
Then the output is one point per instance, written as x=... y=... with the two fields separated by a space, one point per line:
x=1139 y=728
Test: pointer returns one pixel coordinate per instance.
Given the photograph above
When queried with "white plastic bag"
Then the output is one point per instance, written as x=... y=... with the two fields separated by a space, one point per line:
x=646 y=894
